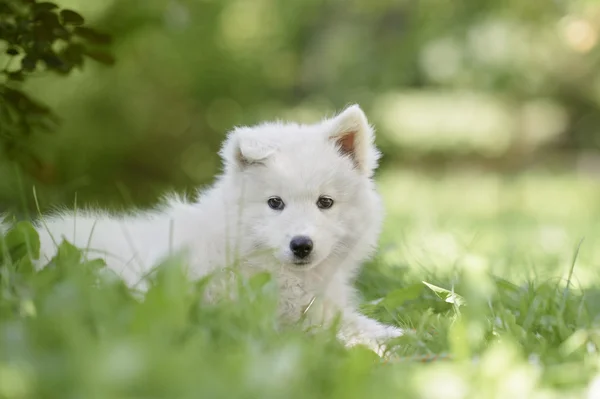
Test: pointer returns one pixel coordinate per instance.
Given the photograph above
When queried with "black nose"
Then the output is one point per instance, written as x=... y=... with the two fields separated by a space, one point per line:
x=301 y=246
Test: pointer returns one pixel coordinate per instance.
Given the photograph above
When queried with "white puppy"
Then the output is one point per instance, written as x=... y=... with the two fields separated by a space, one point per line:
x=295 y=200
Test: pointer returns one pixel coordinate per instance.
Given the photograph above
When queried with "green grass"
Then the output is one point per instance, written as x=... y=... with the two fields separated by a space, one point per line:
x=510 y=309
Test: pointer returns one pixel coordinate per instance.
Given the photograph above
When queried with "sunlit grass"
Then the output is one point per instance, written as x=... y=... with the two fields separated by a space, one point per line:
x=482 y=271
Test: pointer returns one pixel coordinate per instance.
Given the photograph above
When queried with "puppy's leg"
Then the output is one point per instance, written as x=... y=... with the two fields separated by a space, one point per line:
x=354 y=329
x=358 y=329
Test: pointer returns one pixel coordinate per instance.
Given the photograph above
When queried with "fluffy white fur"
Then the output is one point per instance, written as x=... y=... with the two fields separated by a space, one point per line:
x=232 y=220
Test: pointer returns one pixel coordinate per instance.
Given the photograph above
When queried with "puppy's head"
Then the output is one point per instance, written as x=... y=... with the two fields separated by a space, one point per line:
x=307 y=194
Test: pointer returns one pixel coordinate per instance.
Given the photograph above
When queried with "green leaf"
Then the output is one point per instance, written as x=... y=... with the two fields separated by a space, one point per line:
x=25 y=266
x=49 y=22
x=71 y=17
x=54 y=62
x=23 y=103
x=68 y=253
x=21 y=240
x=446 y=295
x=574 y=342
x=95 y=264
x=397 y=297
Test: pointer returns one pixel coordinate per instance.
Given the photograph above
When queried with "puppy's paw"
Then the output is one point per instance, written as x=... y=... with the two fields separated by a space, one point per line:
x=376 y=345
x=370 y=333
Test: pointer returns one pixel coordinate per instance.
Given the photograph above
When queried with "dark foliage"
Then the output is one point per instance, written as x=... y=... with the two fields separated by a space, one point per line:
x=38 y=37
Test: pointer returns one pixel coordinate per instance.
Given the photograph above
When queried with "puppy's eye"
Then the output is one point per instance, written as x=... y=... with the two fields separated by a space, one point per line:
x=276 y=203
x=324 y=202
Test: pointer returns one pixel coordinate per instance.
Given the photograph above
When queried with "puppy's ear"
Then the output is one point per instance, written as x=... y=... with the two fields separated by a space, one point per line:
x=354 y=137
x=242 y=149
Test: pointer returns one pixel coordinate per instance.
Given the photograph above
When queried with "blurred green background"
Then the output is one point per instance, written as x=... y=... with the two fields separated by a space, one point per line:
x=494 y=84
x=487 y=112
